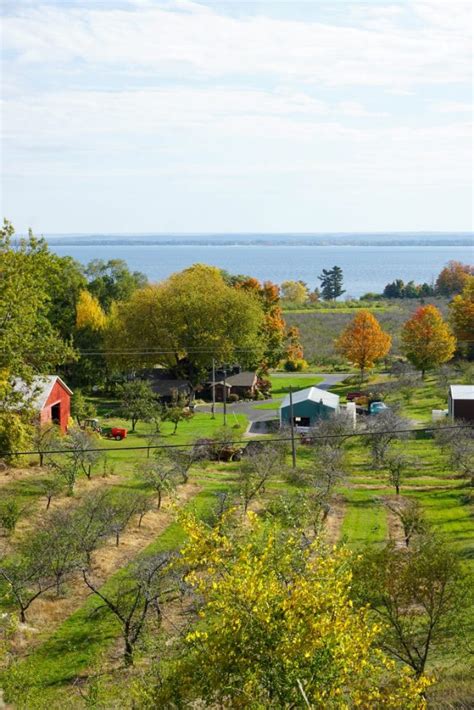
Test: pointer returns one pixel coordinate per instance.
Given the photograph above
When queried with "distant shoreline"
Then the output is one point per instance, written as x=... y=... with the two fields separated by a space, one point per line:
x=378 y=239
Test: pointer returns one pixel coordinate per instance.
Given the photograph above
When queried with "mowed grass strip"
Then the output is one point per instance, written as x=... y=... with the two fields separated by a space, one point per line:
x=365 y=521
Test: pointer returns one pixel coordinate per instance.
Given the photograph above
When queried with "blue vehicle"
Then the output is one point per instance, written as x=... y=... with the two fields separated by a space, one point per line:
x=377 y=407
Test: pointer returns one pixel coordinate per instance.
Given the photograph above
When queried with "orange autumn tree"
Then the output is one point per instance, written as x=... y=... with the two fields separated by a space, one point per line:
x=453 y=278
x=363 y=342
x=427 y=340
x=461 y=316
x=273 y=328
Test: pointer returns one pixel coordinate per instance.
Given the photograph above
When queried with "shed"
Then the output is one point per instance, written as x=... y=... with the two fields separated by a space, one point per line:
x=461 y=402
x=50 y=397
x=309 y=406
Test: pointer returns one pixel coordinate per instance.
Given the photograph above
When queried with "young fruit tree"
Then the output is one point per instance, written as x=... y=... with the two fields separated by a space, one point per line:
x=363 y=342
x=137 y=401
x=427 y=340
x=159 y=475
x=420 y=595
x=384 y=428
x=257 y=470
x=142 y=591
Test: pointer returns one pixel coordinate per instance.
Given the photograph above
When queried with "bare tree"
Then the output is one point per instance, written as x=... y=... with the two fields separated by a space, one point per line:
x=385 y=428
x=459 y=445
x=81 y=447
x=257 y=470
x=143 y=505
x=57 y=546
x=396 y=464
x=411 y=517
x=329 y=468
x=146 y=587
x=25 y=580
x=77 y=454
x=123 y=509
x=181 y=461
x=331 y=431
x=91 y=522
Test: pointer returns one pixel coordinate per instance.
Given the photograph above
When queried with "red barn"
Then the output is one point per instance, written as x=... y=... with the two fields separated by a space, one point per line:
x=51 y=398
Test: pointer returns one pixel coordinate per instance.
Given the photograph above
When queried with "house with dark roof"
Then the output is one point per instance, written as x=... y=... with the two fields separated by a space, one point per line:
x=461 y=402
x=242 y=384
x=309 y=405
x=165 y=385
x=50 y=397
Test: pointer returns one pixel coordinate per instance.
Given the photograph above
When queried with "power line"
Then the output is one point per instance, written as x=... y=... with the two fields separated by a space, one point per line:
x=240 y=441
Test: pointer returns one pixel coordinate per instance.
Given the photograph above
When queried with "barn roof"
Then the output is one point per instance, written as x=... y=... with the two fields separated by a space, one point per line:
x=40 y=389
x=313 y=394
x=462 y=391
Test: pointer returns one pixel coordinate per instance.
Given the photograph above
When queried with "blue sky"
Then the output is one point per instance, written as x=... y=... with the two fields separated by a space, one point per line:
x=230 y=115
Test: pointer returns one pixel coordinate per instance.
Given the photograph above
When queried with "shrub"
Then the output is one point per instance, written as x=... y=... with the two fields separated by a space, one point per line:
x=233 y=397
x=295 y=365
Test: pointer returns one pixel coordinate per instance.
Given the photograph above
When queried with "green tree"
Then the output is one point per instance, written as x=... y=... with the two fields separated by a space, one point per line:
x=112 y=280
x=30 y=343
x=185 y=322
x=294 y=292
x=81 y=408
x=137 y=400
x=331 y=283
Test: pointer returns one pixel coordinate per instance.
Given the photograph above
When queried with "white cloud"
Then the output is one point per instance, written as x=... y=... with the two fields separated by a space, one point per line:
x=453 y=107
x=190 y=39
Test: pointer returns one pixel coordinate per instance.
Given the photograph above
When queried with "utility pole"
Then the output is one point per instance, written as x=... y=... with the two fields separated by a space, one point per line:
x=213 y=388
x=224 y=397
x=292 y=429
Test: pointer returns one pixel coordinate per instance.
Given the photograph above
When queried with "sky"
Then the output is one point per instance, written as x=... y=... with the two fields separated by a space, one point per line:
x=236 y=115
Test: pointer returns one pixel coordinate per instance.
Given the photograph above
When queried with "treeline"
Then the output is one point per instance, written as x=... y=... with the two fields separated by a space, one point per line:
x=451 y=281
x=100 y=324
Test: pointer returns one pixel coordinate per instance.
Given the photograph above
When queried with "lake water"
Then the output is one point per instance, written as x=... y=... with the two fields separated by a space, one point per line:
x=368 y=262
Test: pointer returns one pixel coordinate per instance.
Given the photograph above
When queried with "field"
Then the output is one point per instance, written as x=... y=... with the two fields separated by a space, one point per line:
x=63 y=640
x=320 y=327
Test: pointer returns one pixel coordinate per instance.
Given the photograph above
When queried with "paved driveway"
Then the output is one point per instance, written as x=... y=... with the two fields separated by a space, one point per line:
x=259 y=418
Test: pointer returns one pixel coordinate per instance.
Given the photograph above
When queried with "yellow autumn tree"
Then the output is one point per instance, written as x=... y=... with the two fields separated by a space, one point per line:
x=277 y=628
x=461 y=316
x=363 y=342
x=89 y=313
x=427 y=340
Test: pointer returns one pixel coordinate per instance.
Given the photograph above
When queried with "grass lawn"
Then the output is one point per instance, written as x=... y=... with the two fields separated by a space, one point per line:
x=281 y=385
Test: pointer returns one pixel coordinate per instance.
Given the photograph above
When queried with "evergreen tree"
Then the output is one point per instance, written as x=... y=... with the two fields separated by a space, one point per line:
x=331 y=283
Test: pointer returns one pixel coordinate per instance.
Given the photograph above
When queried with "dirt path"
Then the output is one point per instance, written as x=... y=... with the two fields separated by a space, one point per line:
x=335 y=519
x=48 y=612
x=395 y=528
